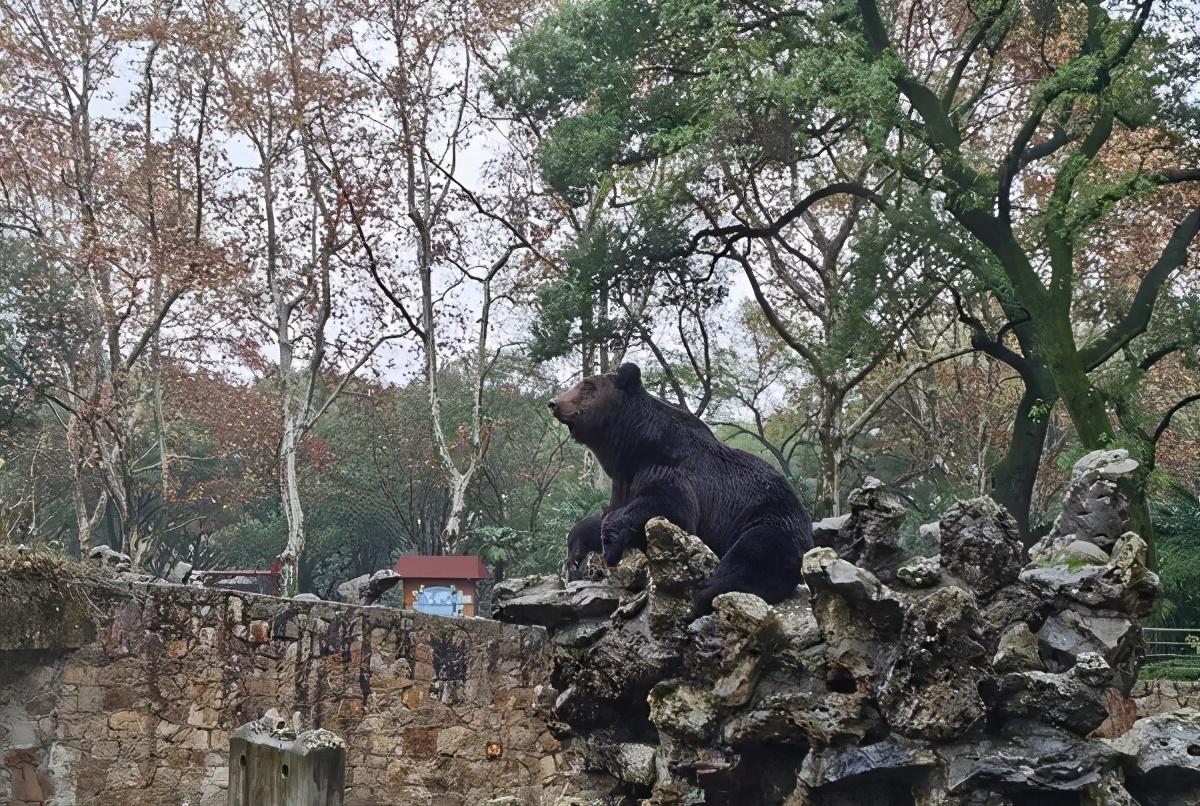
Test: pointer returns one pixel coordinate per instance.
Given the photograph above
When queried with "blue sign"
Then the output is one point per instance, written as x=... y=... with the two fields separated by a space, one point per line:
x=440 y=601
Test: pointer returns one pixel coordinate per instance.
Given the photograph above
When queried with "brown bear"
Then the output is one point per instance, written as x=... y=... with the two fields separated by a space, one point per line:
x=664 y=461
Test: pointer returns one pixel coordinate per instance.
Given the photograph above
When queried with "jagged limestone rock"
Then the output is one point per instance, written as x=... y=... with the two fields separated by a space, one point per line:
x=679 y=562
x=848 y=599
x=931 y=690
x=828 y=531
x=511 y=588
x=1017 y=650
x=893 y=756
x=576 y=600
x=683 y=710
x=747 y=630
x=1163 y=751
x=632 y=762
x=971 y=682
x=633 y=571
x=872 y=534
x=813 y=715
x=1027 y=755
x=920 y=572
x=980 y=544
x=368 y=588
x=1061 y=699
x=1068 y=634
x=1108 y=791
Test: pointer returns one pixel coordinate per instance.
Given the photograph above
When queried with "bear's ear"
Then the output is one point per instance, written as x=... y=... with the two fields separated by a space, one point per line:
x=628 y=376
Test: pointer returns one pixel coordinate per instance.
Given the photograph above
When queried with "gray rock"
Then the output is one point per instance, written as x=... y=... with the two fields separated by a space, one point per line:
x=1081 y=551
x=110 y=559
x=1105 y=464
x=306 y=597
x=1027 y=755
x=1017 y=650
x=920 y=572
x=679 y=562
x=796 y=619
x=1018 y=603
x=846 y=598
x=747 y=629
x=1108 y=791
x=805 y=716
x=580 y=599
x=507 y=589
x=980 y=544
x=1163 y=751
x=1060 y=699
x=890 y=757
x=828 y=531
x=1070 y=633
x=368 y=588
x=631 y=762
x=633 y=571
x=179 y=573
x=683 y=710
x=873 y=531
x=1122 y=583
x=931 y=690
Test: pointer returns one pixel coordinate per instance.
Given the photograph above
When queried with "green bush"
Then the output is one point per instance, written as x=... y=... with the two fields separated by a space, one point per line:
x=1177 y=521
x=1173 y=669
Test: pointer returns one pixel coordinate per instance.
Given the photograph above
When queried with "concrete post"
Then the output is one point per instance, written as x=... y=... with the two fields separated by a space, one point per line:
x=269 y=765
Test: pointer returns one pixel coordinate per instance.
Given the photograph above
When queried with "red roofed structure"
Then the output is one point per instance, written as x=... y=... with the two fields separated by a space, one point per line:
x=443 y=585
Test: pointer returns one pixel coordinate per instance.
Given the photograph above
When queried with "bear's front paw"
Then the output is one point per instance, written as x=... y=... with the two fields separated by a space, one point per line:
x=611 y=544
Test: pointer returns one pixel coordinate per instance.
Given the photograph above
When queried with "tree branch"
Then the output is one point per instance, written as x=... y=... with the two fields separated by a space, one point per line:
x=1137 y=318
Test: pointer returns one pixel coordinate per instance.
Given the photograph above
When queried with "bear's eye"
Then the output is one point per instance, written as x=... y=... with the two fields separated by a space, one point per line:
x=588 y=386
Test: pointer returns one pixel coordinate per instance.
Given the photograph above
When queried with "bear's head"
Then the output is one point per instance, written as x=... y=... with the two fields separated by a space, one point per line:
x=589 y=407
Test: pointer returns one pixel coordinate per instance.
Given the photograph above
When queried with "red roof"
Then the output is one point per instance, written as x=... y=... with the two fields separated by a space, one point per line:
x=416 y=566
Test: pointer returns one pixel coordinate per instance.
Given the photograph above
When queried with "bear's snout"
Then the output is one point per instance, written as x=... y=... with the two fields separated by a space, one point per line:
x=552 y=405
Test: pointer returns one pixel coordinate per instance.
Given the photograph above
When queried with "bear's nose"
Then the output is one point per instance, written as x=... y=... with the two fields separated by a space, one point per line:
x=550 y=404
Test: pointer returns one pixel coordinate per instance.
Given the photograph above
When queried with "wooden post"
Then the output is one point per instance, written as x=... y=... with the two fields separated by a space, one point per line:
x=269 y=765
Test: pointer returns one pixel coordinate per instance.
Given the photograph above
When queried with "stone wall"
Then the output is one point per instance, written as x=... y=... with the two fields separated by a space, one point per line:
x=1159 y=696
x=139 y=708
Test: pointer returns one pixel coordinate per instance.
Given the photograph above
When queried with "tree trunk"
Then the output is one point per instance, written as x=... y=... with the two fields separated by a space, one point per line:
x=1015 y=474
x=293 y=513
